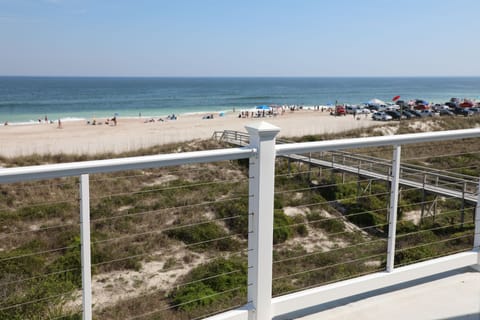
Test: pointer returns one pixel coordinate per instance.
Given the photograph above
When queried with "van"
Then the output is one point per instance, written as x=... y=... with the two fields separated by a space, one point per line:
x=351 y=109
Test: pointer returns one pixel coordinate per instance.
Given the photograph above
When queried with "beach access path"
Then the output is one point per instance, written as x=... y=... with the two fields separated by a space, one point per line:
x=78 y=137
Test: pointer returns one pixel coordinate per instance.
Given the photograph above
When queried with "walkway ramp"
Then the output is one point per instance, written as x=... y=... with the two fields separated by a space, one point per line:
x=439 y=182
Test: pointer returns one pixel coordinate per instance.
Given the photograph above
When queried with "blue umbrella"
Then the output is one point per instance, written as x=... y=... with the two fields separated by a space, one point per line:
x=263 y=107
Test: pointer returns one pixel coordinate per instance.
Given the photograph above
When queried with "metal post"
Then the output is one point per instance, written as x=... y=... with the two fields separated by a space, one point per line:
x=389 y=186
x=392 y=224
x=309 y=166
x=359 y=186
x=423 y=198
x=260 y=222
x=476 y=237
x=85 y=246
x=462 y=215
x=332 y=173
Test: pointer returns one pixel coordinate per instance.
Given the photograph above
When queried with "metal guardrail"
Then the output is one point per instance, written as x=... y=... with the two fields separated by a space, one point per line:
x=261 y=152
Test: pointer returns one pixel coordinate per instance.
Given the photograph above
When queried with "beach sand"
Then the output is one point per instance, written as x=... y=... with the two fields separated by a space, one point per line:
x=77 y=137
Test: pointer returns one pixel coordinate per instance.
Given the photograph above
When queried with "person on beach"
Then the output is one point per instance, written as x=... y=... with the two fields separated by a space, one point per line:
x=59 y=124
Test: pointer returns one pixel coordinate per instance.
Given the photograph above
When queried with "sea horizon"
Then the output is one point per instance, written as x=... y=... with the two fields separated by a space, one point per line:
x=233 y=77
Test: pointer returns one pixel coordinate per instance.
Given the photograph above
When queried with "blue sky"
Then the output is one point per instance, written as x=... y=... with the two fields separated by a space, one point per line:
x=240 y=37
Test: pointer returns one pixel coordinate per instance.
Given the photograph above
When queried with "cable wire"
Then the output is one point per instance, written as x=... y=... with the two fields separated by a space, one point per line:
x=433 y=242
x=3 y=308
x=328 y=266
x=187 y=302
x=133 y=235
x=328 y=251
x=38 y=252
x=185 y=186
x=149 y=253
x=38 y=277
x=169 y=208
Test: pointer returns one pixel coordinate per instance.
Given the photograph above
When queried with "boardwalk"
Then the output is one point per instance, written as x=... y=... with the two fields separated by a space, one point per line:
x=438 y=182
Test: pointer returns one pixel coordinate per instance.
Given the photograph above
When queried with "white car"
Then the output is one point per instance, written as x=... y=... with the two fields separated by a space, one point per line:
x=382 y=116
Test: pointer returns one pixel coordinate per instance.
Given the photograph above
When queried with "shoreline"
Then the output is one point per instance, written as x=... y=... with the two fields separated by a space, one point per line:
x=77 y=137
x=102 y=117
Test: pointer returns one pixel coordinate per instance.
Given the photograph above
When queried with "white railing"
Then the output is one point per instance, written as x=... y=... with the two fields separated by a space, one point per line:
x=262 y=153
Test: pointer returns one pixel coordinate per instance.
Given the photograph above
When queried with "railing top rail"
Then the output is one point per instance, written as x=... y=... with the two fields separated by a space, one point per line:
x=329 y=145
x=49 y=171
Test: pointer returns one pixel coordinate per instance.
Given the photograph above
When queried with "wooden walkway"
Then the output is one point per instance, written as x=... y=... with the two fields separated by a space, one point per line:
x=439 y=182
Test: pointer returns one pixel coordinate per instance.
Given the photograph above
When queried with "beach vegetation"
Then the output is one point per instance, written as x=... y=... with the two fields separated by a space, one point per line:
x=224 y=279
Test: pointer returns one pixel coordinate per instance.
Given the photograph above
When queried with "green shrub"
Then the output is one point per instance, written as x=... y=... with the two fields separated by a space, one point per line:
x=43 y=211
x=69 y=260
x=199 y=236
x=405 y=226
x=414 y=254
x=330 y=225
x=207 y=280
x=282 y=229
x=237 y=209
x=36 y=289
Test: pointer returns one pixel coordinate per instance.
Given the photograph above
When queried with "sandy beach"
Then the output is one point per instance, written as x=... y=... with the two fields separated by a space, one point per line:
x=78 y=137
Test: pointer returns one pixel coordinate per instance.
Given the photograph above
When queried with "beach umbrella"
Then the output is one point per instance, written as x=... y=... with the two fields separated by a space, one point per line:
x=263 y=107
x=396 y=98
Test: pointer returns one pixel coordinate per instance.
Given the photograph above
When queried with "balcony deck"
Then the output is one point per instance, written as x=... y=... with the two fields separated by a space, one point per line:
x=451 y=295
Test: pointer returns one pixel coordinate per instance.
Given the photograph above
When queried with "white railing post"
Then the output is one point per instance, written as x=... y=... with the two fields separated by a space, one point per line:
x=476 y=238
x=260 y=222
x=392 y=221
x=85 y=246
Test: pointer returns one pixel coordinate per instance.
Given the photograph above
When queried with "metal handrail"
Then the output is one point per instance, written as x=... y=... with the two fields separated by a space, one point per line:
x=49 y=171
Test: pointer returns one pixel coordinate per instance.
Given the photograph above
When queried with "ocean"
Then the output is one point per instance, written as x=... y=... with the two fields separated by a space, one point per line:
x=27 y=99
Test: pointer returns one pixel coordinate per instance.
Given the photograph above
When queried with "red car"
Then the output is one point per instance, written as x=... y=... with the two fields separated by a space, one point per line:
x=340 y=111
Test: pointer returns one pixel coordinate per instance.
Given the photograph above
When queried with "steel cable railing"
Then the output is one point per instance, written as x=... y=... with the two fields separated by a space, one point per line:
x=146 y=228
x=310 y=254
x=189 y=225
x=149 y=253
x=329 y=266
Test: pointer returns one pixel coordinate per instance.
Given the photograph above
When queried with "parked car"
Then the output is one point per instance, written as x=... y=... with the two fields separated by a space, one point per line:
x=451 y=104
x=421 y=107
x=463 y=112
x=475 y=110
x=428 y=113
x=382 y=116
x=416 y=113
x=438 y=107
x=446 y=112
x=395 y=115
x=339 y=111
x=408 y=114
x=351 y=109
